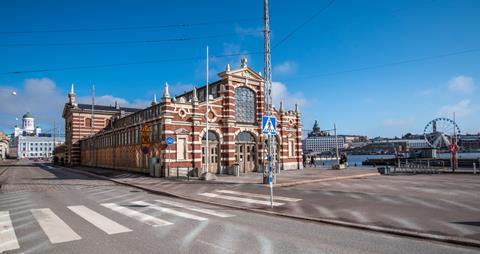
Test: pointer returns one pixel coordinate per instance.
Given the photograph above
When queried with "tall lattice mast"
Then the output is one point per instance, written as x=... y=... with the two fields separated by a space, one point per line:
x=267 y=59
x=268 y=93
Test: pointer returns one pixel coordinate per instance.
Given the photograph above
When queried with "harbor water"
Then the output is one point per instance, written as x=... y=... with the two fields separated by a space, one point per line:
x=358 y=159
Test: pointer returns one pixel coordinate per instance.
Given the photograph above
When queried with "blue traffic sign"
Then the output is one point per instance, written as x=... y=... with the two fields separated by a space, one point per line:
x=169 y=140
x=269 y=125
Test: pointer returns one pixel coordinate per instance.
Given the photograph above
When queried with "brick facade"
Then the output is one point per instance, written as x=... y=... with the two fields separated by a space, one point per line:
x=231 y=141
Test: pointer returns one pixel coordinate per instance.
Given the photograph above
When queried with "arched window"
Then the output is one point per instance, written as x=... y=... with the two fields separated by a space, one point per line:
x=88 y=122
x=245 y=106
x=245 y=136
x=107 y=122
x=211 y=136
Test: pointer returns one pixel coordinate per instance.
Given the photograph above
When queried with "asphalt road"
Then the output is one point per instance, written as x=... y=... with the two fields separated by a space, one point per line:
x=49 y=210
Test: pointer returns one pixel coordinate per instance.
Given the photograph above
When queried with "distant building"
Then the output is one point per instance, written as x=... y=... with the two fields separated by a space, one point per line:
x=30 y=142
x=4 y=146
x=400 y=145
x=36 y=147
x=319 y=141
x=469 y=142
x=28 y=127
x=321 y=144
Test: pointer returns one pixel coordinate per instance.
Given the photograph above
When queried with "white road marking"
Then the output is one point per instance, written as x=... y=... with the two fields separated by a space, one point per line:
x=359 y=216
x=408 y=224
x=196 y=209
x=246 y=200
x=170 y=211
x=459 y=228
x=468 y=207
x=145 y=218
x=254 y=195
x=354 y=196
x=216 y=246
x=55 y=228
x=326 y=212
x=388 y=200
x=105 y=224
x=421 y=202
x=8 y=239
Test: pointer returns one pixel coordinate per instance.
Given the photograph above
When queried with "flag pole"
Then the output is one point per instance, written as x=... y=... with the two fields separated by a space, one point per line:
x=93 y=109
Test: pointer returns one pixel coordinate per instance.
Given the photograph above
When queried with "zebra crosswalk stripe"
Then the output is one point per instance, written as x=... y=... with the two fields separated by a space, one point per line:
x=254 y=195
x=170 y=211
x=246 y=200
x=105 y=224
x=145 y=218
x=196 y=209
x=8 y=239
x=55 y=228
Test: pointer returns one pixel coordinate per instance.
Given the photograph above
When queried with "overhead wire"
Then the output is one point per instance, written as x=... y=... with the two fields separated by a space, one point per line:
x=123 y=28
x=90 y=43
x=384 y=65
x=127 y=63
x=304 y=23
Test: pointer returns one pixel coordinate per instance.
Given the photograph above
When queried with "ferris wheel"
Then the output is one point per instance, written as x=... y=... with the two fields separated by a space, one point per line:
x=438 y=132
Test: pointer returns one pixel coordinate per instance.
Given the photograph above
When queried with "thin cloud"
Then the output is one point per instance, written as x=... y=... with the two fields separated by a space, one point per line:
x=394 y=122
x=461 y=84
x=39 y=96
x=463 y=108
x=285 y=68
x=249 y=31
x=109 y=100
x=280 y=93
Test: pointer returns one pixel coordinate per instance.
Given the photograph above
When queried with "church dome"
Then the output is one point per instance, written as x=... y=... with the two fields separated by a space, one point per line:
x=28 y=115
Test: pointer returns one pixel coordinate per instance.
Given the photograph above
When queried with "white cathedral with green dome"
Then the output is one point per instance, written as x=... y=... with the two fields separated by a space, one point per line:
x=28 y=126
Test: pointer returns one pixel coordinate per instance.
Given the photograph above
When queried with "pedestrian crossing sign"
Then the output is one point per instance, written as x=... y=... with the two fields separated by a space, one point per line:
x=269 y=125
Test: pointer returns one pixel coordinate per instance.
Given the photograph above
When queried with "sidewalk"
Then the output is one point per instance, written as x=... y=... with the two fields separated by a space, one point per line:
x=438 y=207
x=296 y=177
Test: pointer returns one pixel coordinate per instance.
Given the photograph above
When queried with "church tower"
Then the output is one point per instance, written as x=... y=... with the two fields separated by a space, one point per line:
x=28 y=123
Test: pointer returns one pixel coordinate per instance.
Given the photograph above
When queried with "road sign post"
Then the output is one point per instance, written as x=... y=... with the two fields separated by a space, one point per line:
x=169 y=141
x=269 y=128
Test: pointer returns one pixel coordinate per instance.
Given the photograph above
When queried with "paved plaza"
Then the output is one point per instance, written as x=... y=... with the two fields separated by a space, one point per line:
x=48 y=209
x=439 y=204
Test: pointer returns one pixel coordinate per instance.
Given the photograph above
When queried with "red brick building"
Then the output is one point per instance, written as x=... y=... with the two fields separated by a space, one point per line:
x=236 y=106
x=78 y=124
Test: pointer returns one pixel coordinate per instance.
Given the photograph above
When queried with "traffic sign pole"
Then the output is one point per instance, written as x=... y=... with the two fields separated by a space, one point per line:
x=169 y=141
x=269 y=124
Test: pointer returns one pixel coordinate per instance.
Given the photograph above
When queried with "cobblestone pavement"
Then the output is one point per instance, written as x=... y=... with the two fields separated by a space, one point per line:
x=439 y=204
x=88 y=215
x=25 y=177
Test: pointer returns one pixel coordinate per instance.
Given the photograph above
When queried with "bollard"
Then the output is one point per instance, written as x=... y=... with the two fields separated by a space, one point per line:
x=177 y=172
x=474 y=168
x=188 y=174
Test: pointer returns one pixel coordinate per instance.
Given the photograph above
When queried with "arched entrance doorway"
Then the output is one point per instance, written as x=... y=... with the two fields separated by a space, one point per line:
x=246 y=151
x=213 y=153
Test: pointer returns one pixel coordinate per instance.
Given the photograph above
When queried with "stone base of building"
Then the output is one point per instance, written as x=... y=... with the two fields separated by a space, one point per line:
x=292 y=166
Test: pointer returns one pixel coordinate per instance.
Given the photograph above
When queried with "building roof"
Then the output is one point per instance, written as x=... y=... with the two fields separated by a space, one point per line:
x=27 y=115
x=107 y=108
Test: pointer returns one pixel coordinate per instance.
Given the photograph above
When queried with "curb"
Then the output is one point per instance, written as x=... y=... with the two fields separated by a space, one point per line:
x=325 y=179
x=400 y=232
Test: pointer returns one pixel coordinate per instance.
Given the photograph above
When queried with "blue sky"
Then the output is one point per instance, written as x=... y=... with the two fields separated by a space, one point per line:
x=343 y=66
